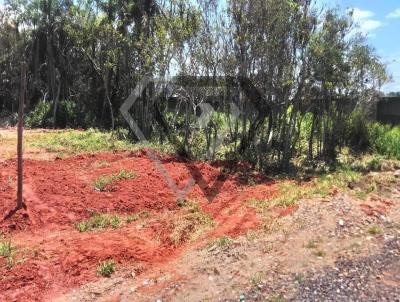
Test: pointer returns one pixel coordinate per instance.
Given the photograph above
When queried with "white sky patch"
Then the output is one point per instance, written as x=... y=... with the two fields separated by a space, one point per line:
x=366 y=23
x=394 y=14
x=393 y=64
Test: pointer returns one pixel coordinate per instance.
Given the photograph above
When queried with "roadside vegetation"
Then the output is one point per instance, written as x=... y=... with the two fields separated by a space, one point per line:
x=191 y=223
x=304 y=116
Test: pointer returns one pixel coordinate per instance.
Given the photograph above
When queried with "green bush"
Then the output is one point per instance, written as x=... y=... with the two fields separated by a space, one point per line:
x=385 y=140
x=357 y=131
x=68 y=114
x=40 y=116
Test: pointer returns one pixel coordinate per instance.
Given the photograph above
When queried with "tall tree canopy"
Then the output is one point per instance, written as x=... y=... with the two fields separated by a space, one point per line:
x=298 y=72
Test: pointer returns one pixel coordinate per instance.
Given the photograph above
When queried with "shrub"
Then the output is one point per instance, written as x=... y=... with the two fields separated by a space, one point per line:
x=358 y=136
x=385 y=140
x=40 y=116
x=68 y=114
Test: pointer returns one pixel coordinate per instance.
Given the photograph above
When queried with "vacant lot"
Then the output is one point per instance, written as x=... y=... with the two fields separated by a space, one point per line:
x=102 y=224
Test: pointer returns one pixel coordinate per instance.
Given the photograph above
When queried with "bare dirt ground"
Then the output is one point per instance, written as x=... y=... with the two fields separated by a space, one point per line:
x=338 y=248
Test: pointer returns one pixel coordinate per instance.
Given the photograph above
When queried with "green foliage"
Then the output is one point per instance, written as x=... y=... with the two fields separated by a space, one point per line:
x=137 y=216
x=318 y=60
x=68 y=115
x=7 y=251
x=40 y=116
x=190 y=224
x=106 y=268
x=104 y=181
x=223 y=242
x=358 y=135
x=291 y=192
x=385 y=140
x=74 y=141
x=320 y=254
x=375 y=230
x=98 y=222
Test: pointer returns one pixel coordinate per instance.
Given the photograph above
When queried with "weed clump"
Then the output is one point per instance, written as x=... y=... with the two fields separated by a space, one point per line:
x=7 y=251
x=103 y=182
x=137 y=216
x=98 y=221
x=106 y=268
x=191 y=224
x=223 y=242
x=375 y=230
x=320 y=254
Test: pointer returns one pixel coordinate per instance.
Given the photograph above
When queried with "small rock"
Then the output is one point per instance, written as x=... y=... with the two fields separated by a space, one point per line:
x=341 y=222
x=396 y=173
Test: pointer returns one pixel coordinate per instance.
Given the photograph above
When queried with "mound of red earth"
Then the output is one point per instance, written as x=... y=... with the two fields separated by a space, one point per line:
x=60 y=193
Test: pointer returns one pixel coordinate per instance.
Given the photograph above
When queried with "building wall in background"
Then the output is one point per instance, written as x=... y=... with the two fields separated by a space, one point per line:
x=388 y=110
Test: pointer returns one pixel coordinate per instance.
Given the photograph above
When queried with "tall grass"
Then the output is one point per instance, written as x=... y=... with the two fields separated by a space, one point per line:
x=74 y=142
x=385 y=140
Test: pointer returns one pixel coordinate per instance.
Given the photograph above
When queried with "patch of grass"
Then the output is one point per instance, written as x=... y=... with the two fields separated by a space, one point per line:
x=290 y=192
x=361 y=195
x=98 y=222
x=384 y=140
x=257 y=278
x=252 y=235
x=320 y=254
x=137 y=216
x=277 y=298
x=101 y=164
x=106 y=268
x=7 y=251
x=223 y=242
x=312 y=244
x=74 y=142
x=375 y=230
x=191 y=224
x=103 y=182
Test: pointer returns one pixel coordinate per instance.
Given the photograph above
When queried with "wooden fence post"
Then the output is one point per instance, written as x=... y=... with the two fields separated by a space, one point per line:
x=20 y=201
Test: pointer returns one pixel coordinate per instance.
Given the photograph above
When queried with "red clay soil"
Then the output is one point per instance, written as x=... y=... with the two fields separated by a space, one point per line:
x=53 y=257
x=376 y=206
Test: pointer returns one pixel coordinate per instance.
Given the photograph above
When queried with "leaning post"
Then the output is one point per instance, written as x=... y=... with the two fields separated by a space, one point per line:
x=20 y=201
